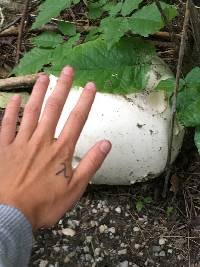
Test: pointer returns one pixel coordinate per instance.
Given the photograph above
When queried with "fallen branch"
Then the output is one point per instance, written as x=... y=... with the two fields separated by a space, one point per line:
x=178 y=76
x=21 y=29
x=18 y=82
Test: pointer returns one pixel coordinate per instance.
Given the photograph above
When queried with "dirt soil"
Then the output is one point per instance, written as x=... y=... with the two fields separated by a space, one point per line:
x=115 y=226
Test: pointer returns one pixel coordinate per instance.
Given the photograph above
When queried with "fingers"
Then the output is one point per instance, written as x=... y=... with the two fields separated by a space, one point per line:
x=33 y=108
x=8 y=126
x=55 y=104
x=88 y=166
x=78 y=117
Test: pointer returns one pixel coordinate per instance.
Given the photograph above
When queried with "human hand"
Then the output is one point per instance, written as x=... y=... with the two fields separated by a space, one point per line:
x=36 y=174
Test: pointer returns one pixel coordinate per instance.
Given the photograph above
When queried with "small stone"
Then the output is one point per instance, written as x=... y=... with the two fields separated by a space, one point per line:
x=170 y=251
x=43 y=263
x=162 y=253
x=136 y=229
x=162 y=241
x=106 y=210
x=135 y=265
x=122 y=251
x=88 y=239
x=123 y=264
x=94 y=223
x=112 y=230
x=68 y=232
x=97 y=251
x=102 y=228
x=137 y=246
x=99 y=206
x=86 y=249
x=88 y=257
x=56 y=249
x=156 y=249
x=118 y=210
x=94 y=211
x=66 y=259
x=140 y=253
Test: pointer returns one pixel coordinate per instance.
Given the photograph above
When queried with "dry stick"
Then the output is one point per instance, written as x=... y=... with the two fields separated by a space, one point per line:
x=9 y=25
x=178 y=75
x=18 y=82
x=21 y=28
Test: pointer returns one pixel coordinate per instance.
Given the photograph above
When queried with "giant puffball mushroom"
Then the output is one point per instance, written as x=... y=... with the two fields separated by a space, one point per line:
x=138 y=125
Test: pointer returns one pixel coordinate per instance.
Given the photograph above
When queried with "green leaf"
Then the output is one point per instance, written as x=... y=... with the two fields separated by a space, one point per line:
x=92 y=35
x=95 y=12
x=115 y=9
x=67 y=28
x=166 y=85
x=148 y=20
x=169 y=211
x=113 y=29
x=33 y=61
x=197 y=138
x=50 y=9
x=193 y=78
x=139 y=205
x=190 y=116
x=129 y=6
x=121 y=70
x=75 y=2
x=148 y=200
x=47 y=40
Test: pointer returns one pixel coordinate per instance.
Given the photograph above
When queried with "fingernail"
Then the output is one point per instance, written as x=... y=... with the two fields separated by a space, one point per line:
x=90 y=85
x=16 y=97
x=105 y=146
x=68 y=70
x=42 y=78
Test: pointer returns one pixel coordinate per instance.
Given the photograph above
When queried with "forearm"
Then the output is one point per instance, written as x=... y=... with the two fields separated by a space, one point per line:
x=15 y=238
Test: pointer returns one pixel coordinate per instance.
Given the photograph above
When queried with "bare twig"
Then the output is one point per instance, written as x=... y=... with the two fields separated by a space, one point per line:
x=18 y=82
x=178 y=75
x=21 y=28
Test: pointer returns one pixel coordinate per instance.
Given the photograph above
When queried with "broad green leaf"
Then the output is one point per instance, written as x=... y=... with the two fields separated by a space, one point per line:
x=47 y=40
x=108 y=6
x=75 y=2
x=190 y=116
x=115 y=9
x=33 y=61
x=95 y=12
x=122 y=69
x=166 y=85
x=67 y=28
x=193 y=78
x=50 y=9
x=129 y=6
x=113 y=29
x=148 y=20
x=197 y=138
x=148 y=200
x=92 y=35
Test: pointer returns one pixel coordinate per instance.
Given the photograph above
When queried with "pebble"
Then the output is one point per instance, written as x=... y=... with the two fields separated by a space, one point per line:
x=118 y=210
x=68 y=232
x=86 y=249
x=156 y=249
x=88 y=239
x=43 y=263
x=88 y=257
x=94 y=211
x=102 y=228
x=112 y=230
x=123 y=264
x=106 y=210
x=97 y=251
x=135 y=265
x=122 y=251
x=136 y=229
x=137 y=246
x=170 y=251
x=66 y=259
x=162 y=241
x=162 y=253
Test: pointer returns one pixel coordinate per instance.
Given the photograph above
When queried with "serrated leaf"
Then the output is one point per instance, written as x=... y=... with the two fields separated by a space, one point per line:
x=67 y=28
x=113 y=29
x=33 y=61
x=121 y=70
x=190 y=116
x=193 y=78
x=50 y=9
x=197 y=138
x=148 y=20
x=92 y=35
x=115 y=9
x=47 y=40
x=129 y=6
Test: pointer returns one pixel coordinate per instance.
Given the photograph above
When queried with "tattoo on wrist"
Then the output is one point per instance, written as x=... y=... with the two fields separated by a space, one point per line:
x=63 y=171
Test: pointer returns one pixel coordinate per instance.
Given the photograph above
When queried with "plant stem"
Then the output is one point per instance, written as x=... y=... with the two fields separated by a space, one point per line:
x=178 y=75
